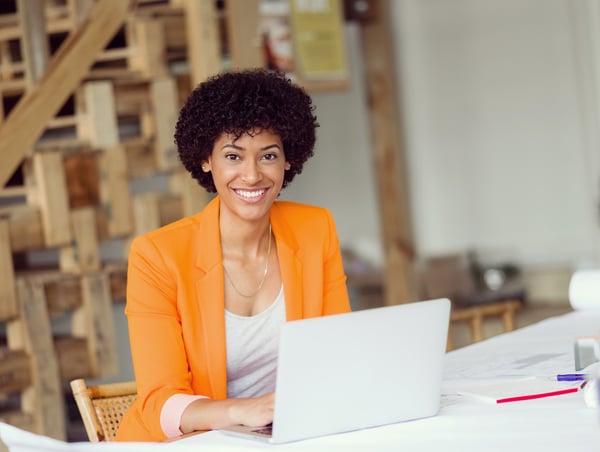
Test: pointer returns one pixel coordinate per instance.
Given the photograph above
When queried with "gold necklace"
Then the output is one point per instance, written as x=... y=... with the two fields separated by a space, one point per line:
x=264 y=278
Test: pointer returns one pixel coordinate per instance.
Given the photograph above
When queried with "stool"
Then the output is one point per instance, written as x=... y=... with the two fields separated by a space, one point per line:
x=475 y=314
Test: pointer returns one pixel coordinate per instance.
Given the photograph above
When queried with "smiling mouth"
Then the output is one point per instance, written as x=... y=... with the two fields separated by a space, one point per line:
x=251 y=194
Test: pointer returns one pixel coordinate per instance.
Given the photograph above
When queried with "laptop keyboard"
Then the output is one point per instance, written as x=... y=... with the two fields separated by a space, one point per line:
x=266 y=430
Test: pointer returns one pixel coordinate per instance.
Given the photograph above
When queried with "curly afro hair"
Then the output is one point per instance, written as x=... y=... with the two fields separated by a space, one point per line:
x=243 y=102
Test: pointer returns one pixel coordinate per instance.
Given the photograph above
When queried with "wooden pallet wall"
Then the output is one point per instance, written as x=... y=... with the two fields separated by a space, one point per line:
x=78 y=132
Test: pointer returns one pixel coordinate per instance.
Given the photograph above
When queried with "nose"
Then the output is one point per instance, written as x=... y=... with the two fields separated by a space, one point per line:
x=251 y=172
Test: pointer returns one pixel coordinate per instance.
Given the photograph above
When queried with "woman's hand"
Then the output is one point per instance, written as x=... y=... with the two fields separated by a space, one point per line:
x=208 y=414
x=255 y=412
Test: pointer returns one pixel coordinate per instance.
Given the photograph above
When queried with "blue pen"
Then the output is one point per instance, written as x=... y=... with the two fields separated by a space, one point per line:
x=571 y=377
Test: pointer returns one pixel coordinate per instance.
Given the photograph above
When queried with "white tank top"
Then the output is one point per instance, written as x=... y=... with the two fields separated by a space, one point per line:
x=252 y=350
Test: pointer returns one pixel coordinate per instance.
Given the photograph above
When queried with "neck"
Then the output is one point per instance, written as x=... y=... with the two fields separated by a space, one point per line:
x=245 y=239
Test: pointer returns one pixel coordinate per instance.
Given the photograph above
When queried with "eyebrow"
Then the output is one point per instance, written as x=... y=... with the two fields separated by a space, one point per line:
x=239 y=148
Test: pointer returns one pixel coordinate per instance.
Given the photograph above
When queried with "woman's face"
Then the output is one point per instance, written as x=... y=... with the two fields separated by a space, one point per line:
x=248 y=173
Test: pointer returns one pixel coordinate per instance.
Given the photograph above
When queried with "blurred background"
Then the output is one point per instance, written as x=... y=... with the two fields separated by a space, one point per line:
x=459 y=152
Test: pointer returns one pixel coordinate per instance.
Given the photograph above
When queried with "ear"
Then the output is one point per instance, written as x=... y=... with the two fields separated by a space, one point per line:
x=287 y=166
x=206 y=166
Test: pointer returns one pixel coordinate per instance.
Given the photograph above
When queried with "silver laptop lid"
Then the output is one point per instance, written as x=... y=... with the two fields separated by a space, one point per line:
x=362 y=369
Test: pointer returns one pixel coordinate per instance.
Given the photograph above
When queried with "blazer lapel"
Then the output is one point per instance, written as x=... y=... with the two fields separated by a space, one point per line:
x=210 y=298
x=289 y=264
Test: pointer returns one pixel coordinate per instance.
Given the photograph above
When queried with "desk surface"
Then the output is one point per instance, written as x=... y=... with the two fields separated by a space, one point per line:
x=463 y=424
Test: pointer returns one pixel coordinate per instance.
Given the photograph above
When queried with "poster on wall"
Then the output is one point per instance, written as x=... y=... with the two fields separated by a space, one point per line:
x=318 y=39
x=305 y=39
x=276 y=35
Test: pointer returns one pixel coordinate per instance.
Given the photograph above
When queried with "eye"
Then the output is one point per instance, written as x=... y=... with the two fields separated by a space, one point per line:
x=232 y=156
x=269 y=156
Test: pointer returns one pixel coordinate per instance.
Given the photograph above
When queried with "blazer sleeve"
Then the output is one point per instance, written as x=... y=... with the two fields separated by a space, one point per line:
x=157 y=345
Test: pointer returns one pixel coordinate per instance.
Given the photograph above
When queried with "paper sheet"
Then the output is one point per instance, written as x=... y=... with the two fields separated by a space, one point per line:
x=518 y=390
x=511 y=364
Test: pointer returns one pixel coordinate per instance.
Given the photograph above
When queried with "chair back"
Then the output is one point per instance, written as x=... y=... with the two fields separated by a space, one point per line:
x=102 y=406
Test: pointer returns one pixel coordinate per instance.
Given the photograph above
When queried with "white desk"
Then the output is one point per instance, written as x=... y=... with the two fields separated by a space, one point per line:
x=552 y=424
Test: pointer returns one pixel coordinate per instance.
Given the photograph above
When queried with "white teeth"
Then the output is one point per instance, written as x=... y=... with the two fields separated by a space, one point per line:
x=250 y=194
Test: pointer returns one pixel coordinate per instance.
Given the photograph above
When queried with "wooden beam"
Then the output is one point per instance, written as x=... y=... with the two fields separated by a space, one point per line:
x=31 y=332
x=99 y=125
x=8 y=290
x=84 y=255
x=25 y=228
x=94 y=321
x=49 y=193
x=388 y=151
x=204 y=53
x=34 y=41
x=163 y=92
x=193 y=195
x=114 y=191
x=70 y=64
x=147 y=36
x=242 y=29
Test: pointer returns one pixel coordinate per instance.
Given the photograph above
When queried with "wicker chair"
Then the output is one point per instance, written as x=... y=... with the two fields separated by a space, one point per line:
x=102 y=407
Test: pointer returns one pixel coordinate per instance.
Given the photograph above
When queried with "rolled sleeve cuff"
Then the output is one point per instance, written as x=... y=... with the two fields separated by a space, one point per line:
x=172 y=410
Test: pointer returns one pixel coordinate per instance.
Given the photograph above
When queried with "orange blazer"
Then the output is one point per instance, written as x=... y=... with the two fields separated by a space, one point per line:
x=175 y=302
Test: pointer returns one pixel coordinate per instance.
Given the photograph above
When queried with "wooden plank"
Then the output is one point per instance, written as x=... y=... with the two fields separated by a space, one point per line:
x=26 y=230
x=94 y=321
x=31 y=332
x=34 y=41
x=131 y=97
x=73 y=358
x=141 y=161
x=49 y=192
x=61 y=122
x=13 y=191
x=8 y=292
x=163 y=92
x=117 y=275
x=78 y=10
x=84 y=255
x=388 y=152
x=21 y=420
x=99 y=124
x=115 y=195
x=204 y=51
x=101 y=128
x=242 y=31
x=83 y=179
x=70 y=64
x=63 y=294
x=174 y=29
x=193 y=195
x=170 y=208
x=147 y=37
x=146 y=212
x=15 y=371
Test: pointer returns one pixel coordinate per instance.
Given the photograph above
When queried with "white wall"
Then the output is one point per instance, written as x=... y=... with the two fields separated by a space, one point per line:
x=498 y=118
x=340 y=176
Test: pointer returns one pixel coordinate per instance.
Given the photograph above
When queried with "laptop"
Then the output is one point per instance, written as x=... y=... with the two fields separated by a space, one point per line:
x=357 y=370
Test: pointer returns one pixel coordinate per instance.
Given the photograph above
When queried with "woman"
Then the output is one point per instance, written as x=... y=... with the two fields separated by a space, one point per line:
x=207 y=295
